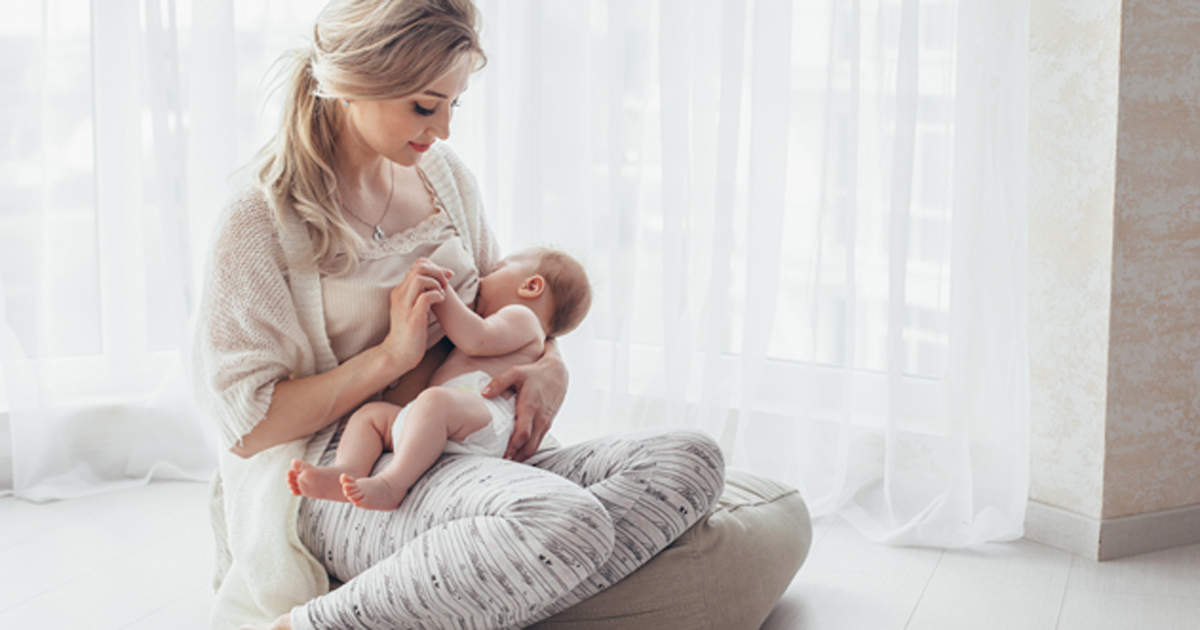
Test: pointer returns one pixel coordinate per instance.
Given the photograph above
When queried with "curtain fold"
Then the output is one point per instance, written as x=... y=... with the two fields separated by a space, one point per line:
x=805 y=226
x=124 y=124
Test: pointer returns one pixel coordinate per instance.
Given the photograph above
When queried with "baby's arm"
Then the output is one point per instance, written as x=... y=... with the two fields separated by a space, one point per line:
x=507 y=330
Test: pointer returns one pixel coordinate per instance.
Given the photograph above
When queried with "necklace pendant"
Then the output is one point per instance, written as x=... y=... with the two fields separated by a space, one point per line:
x=379 y=235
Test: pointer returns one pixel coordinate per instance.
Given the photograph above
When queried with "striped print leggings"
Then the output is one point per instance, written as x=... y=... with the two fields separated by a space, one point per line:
x=487 y=543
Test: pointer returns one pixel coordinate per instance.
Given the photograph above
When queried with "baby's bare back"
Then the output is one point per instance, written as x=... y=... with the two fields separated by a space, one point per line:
x=459 y=363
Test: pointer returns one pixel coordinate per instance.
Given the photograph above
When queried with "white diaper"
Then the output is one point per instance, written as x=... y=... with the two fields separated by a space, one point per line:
x=491 y=440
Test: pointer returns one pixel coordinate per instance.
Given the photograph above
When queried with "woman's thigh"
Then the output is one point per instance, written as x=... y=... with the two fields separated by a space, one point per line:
x=479 y=543
x=511 y=543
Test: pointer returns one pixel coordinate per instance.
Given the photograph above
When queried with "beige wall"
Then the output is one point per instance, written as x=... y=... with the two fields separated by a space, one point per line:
x=1153 y=433
x=1115 y=255
x=1074 y=48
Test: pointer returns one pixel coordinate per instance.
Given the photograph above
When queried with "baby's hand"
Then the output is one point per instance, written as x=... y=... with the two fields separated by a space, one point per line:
x=430 y=269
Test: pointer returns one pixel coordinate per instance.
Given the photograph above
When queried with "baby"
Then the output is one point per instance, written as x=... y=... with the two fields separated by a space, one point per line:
x=533 y=294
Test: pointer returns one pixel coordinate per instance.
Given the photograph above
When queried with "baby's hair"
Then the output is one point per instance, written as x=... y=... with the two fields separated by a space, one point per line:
x=570 y=290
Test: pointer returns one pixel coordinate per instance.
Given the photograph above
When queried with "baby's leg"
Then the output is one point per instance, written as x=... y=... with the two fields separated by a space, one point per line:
x=367 y=433
x=437 y=415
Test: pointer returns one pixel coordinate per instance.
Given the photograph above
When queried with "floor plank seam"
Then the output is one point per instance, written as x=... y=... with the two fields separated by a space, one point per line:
x=1062 y=599
x=164 y=607
x=173 y=531
x=924 y=589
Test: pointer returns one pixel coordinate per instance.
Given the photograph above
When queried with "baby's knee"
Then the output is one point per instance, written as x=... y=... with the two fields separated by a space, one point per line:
x=378 y=414
x=434 y=398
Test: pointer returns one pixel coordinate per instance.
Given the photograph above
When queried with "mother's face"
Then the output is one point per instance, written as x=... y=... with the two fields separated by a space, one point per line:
x=402 y=129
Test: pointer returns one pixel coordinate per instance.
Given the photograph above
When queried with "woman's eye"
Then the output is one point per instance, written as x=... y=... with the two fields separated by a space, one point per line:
x=423 y=111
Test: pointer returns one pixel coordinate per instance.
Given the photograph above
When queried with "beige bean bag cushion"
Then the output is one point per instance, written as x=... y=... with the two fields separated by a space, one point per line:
x=725 y=573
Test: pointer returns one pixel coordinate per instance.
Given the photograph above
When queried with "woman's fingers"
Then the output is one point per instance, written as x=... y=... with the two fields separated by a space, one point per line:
x=535 y=425
x=541 y=426
x=406 y=293
x=428 y=269
x=512 y=378
x=423 y=286
x=532 y=413
x=428 y=298
x=422 y=277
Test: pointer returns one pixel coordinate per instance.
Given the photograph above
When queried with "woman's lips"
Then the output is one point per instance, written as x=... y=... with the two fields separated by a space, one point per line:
x=420 y=148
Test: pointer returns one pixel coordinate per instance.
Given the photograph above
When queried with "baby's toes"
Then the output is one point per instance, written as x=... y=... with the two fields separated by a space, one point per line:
x=293 y=481
x=351 y=489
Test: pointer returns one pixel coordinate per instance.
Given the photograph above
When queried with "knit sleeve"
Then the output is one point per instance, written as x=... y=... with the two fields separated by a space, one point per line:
x=248 y=335
x=483 y=240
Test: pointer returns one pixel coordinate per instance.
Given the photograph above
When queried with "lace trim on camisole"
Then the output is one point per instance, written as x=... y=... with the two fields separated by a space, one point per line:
x=405 y=241
x=356 y=304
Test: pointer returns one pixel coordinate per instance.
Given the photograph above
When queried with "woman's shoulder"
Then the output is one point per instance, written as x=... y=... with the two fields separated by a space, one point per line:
x=247 y=221
x=247 y=205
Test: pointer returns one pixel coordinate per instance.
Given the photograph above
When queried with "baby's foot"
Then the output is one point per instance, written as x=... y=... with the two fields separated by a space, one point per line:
x=316 y=482
x=371 y=493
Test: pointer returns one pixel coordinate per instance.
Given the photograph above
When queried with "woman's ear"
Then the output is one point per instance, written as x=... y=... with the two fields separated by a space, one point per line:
x=534 y=286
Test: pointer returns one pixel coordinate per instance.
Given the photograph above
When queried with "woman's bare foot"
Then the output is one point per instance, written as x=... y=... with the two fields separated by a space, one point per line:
x=316 y=482
x=371 y=493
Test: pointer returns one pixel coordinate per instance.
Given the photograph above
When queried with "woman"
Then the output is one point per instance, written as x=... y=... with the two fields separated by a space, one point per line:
x=316 y=300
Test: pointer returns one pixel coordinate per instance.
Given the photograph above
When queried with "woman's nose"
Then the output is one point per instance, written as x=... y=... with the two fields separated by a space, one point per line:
x=441 y=124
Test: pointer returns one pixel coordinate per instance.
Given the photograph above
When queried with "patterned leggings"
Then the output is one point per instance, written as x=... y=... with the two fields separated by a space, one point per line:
x=487 y=543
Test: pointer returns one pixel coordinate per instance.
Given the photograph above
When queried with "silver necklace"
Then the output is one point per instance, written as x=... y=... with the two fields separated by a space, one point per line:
x=378 y=235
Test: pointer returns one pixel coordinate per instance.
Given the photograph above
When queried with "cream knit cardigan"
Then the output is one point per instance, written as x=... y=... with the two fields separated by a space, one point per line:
x=261 y=319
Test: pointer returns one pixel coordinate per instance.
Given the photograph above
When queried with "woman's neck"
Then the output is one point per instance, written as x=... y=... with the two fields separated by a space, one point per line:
x=357 y=166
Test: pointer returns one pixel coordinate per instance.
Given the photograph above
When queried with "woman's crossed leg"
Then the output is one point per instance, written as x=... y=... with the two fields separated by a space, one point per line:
x=488 y=543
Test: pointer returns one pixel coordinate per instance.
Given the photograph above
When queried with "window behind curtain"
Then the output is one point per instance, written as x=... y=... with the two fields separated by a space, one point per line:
x=123 y=123
x=805 y=224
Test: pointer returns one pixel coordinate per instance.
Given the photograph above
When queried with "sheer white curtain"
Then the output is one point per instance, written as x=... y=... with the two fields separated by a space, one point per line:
x=122 y=123
x=805 y=224
x=804 y=220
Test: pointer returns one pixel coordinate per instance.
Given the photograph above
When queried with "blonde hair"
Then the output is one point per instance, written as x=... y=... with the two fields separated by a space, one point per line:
x=570 y=290
x=361 y=49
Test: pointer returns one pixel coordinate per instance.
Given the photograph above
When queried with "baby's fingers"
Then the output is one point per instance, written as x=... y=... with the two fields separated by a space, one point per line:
x=428 y=298
x=429 y=269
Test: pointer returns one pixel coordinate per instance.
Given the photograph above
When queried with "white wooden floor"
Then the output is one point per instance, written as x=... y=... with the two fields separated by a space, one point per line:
x=849 y=583
x=141 y=559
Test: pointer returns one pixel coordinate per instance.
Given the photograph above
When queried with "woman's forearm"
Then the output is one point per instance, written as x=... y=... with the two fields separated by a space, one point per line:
x=300 y=407
x=417 y=379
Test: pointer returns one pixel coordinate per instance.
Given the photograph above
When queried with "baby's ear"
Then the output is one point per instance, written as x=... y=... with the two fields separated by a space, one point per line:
x=534 y=286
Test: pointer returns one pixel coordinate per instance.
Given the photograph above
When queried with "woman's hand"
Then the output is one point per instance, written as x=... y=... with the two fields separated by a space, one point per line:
x=424 y=285
x=541 y=387
x=302 y=406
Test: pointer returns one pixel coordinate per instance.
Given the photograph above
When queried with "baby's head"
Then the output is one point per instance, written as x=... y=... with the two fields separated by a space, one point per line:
x=570 y=291
x=549 y=281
